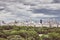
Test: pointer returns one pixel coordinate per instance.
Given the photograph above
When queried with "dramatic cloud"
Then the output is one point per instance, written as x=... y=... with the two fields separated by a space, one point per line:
x=25 y=9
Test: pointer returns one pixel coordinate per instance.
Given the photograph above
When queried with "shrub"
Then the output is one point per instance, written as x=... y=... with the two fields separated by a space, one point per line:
x=15 y=37
x=3 y=39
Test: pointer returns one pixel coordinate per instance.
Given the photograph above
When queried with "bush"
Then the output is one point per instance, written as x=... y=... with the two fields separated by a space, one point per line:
x=51 y=36
x=3 y=39
x=54 y=36
x=15 y=37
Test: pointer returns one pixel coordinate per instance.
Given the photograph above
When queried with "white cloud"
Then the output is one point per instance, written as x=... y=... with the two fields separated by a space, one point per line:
x=47 y=6
x=18 y=11
x=46 y=1
x=6 y=15
x=42 y=15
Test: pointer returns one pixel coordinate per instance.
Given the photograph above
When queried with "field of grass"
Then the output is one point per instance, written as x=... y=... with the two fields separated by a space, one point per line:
x=29 y=33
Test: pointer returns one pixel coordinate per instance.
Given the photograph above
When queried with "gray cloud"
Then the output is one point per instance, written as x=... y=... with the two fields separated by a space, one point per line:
x=56 y=1
x=47 y=11
x=24 y=9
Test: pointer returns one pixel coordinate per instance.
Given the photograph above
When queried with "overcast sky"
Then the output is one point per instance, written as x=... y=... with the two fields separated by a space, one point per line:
x=25 y=9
